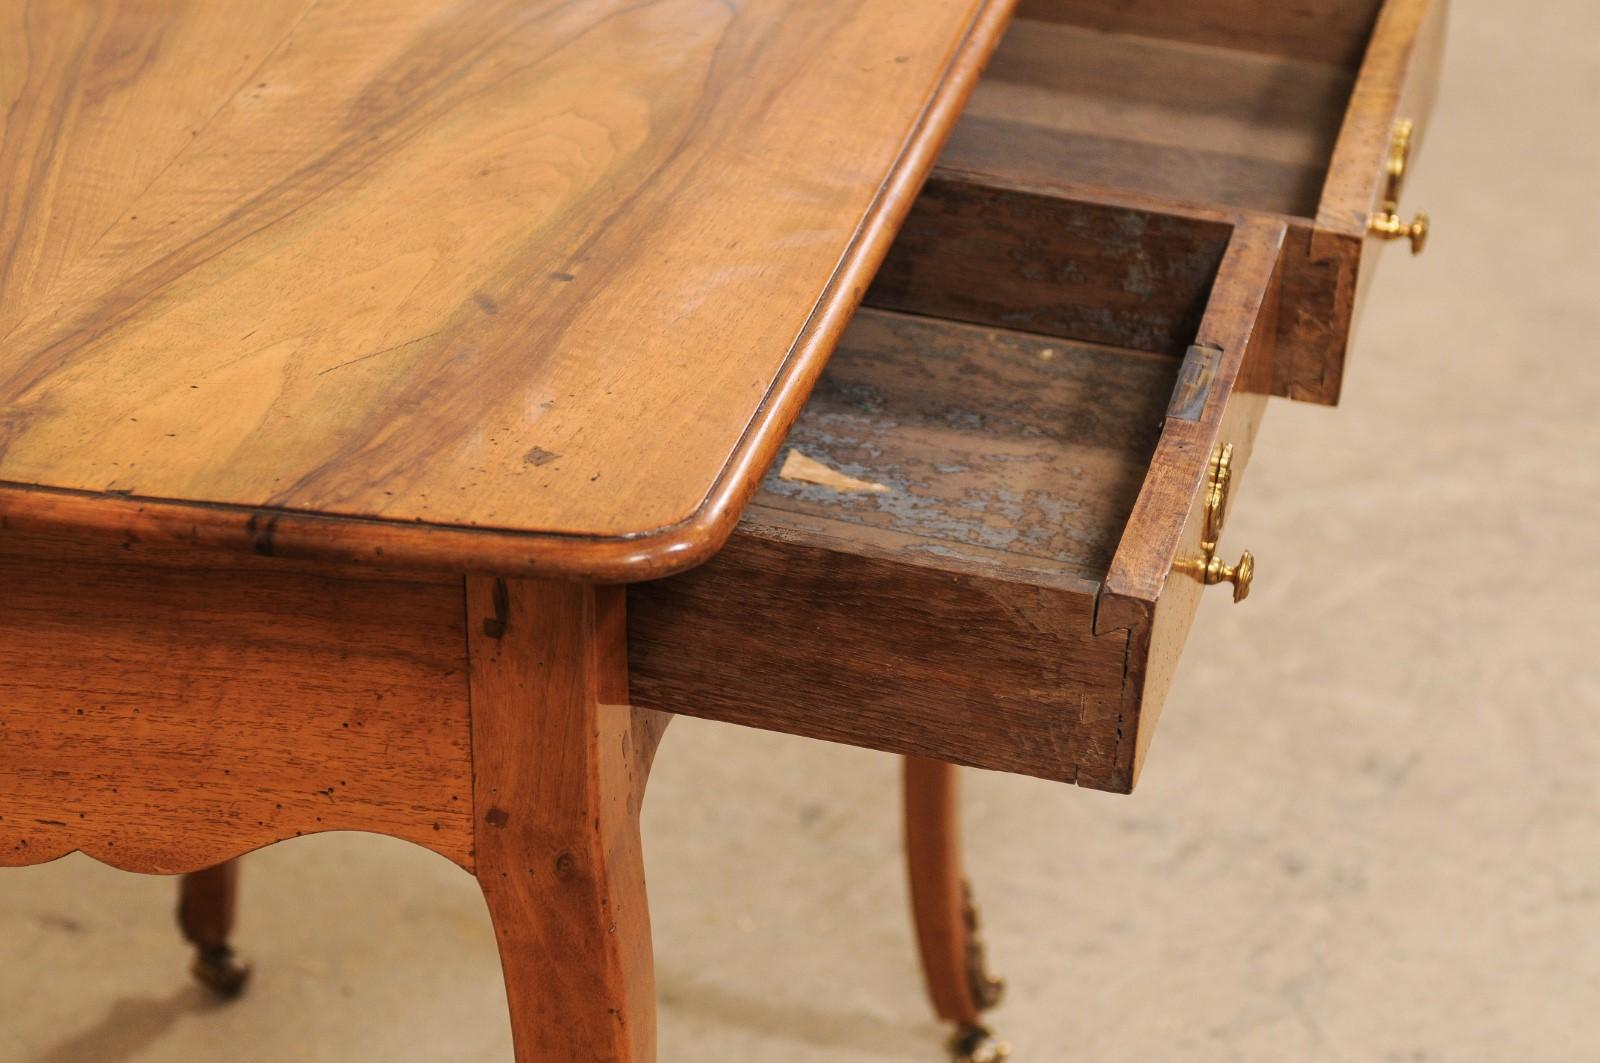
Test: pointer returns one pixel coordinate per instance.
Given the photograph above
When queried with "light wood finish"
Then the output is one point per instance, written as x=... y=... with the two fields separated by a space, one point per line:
x=1072 y=122
x=560 y=768
x=166 y=718
x=333 y=332
x=453 y=271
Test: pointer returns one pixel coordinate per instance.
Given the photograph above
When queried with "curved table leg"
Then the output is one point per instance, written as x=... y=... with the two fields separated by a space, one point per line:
x=206 y=902
x=560 y=766
x=959 y=984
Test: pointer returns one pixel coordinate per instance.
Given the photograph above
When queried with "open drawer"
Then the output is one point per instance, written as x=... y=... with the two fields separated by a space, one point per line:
x=1199 y=112
x=1009 y=581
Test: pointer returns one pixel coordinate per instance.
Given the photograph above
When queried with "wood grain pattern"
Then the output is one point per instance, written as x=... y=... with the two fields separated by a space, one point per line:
x=1218 y=126
x=165 y=719
x=938 y=887
x=791 y=630
x=1133 y=128
x=1399 y=78
x=561 y=763
x=950 y=617
x=886 y=620
x=978 y=247
x=1001 y=451
x=1327 y=31
x=1146 y=591
x=1332 y=265
x=445 y=266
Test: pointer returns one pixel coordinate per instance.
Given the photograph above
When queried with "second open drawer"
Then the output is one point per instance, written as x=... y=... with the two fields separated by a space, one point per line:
x=979 y=545
x=1198 y=112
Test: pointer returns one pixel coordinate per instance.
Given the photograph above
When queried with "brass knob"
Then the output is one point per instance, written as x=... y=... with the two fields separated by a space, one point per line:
x=1385 y=224
x=1390 y=227
x=1239 y=575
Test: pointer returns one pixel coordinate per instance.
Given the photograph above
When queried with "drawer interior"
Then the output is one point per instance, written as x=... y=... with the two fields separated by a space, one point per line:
x=997 y=450
x=987 y=535
x=921 y=568
x=1171 y=119
x=976 y=543
x=1141 y=131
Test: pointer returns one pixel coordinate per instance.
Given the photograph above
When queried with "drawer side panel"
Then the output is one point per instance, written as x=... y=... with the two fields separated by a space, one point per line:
x=794 y=637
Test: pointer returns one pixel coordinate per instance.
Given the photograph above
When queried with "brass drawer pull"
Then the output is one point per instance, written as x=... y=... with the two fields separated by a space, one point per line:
x=1387 y=224
x=1211 y=569
x=1221 y=473
x=1240 y=575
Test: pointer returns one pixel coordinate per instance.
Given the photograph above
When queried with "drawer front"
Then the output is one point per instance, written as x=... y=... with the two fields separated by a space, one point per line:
x=1398 y=81
x=1157 y=574
x=1331 y=265
x=1099 y=114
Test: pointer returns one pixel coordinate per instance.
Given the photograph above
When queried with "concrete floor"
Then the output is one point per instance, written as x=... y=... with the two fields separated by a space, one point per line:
x=1370 y=825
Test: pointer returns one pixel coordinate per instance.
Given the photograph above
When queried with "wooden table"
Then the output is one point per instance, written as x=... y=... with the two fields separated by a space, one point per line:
x=356 y=355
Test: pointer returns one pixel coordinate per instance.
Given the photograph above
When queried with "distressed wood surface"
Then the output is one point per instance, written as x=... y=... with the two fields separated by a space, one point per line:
x=977 y=247
x=560 y=768
x=165 y=719
x=1218 y=126
x=329 y=277
x=951 y=616
x=814 y=638
x=1398 y=79
x=1148 y=591
x=969 y=612
x=1139 y=127
x=1004 y=452
x=1326 y=31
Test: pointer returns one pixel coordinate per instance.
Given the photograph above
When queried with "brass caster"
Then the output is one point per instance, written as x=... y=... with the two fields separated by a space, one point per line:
x=977 y=1044
x=219 y=970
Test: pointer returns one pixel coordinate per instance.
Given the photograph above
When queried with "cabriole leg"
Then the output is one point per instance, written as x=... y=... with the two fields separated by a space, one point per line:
x=560 y=763
x=958 y=981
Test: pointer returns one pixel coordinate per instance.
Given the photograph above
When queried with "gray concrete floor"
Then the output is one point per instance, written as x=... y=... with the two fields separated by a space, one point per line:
x=1370 y=825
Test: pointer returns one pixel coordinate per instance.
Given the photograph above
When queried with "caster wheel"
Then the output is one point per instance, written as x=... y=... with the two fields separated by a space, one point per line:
x=977 y=1044
x=219 y=970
